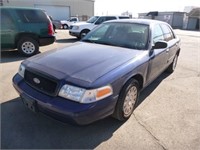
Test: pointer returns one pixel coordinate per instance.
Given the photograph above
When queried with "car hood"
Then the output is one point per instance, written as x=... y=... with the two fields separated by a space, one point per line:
x=81 y=23
x=82 y=61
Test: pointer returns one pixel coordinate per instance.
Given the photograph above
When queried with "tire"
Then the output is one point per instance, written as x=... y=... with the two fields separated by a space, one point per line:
x=65 y=26
x=172 y=66
x=28 y=46
x=127 y=100
x=83 y=33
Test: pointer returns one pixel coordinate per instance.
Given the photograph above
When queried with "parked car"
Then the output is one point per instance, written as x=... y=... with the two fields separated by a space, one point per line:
x=67 y=23
x=101 y=75
x=80 y=29
x=56 y=24
x=25 y=29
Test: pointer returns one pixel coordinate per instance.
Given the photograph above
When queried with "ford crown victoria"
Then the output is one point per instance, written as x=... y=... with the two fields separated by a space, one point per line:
x=100 y=76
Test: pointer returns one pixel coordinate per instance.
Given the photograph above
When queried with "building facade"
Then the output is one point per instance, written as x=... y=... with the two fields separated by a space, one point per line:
x=189 y=19
x=58 y=9
x=175 y=19
x=192 y=19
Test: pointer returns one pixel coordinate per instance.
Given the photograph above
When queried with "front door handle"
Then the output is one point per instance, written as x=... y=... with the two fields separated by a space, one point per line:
x=167 y=50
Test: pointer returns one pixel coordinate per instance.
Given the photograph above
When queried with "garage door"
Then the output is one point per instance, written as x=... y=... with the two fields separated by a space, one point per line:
x=57 y=12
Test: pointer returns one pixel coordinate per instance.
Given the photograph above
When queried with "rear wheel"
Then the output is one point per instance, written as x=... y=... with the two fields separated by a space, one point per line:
x=28 y=46
x=65 y=26
x=172 y=66
x=127 y=100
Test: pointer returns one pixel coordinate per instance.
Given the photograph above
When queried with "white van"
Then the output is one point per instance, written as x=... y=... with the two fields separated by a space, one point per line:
x=80 y=29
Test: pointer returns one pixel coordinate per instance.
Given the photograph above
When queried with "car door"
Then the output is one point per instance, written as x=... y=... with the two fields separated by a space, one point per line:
x=8 y=30
x=158 y=57
x=172 y=42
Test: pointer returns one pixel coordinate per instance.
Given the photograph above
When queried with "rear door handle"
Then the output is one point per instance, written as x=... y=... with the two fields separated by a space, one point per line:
x=167 y=50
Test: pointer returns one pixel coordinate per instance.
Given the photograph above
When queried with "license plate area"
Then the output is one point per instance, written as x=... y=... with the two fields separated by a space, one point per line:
x=29 y=102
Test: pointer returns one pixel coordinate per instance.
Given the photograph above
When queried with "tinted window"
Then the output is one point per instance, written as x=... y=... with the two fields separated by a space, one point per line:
x=123 y=17
x=103 y=19
x=32 y=16
x=92 y=19
x=100 y=20
x=110 y=18
x=73 y=19
x=6 y=19
x=157 y=34
x=167 y=32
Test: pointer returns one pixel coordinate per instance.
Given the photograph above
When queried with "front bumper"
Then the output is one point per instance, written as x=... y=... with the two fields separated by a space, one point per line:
x=72 y=33
x=63 y=109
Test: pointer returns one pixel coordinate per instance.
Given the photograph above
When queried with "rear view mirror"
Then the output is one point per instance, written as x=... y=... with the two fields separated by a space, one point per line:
x=160 y=44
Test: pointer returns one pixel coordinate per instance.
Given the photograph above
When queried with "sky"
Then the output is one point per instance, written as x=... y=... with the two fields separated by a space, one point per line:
x=116 y=7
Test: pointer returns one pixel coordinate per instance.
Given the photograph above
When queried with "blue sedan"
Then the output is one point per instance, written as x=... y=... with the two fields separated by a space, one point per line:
x=100 y=76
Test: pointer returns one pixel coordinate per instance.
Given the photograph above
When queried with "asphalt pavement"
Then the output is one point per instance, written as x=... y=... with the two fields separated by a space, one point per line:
x=168 y=116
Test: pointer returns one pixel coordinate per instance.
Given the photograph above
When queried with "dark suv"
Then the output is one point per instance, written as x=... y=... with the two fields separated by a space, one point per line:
x=25 y=29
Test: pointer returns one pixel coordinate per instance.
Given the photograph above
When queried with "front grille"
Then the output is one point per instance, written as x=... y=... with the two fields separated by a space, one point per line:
x=41 y=82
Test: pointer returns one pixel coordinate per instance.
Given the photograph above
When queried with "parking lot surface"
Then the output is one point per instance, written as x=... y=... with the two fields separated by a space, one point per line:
x=167 y=118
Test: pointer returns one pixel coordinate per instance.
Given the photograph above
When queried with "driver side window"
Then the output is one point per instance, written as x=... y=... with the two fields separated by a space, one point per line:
x=100 y=20
x=157 y=34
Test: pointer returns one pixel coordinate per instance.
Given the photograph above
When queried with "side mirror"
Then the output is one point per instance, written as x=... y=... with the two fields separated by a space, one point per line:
x=159 y=45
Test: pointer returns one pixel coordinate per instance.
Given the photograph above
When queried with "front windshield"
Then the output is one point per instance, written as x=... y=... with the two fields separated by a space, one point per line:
x=92 y=19
x=128 y=35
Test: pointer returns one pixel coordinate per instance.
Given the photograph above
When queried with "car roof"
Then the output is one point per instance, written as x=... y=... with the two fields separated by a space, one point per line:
x=139 y=21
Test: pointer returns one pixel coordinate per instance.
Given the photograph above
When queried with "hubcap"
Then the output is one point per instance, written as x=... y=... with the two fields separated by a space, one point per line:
x=65 y=27
x=129 y=101
x=175 y=62
x=28 y=47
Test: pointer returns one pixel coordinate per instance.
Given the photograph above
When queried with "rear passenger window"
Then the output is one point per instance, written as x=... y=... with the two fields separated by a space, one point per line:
x=124 y=17
x=157 y=34
x=32 y=16
x=6 y=19
x=167 y=32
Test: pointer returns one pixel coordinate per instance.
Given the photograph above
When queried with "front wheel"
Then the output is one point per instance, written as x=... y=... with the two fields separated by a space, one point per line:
x=83 y=33
x=28 y=46
x=172 y=66
x=127 y=100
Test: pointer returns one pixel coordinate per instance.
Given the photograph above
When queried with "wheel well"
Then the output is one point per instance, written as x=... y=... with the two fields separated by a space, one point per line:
x=20 y=36
x=139 y=78
x=85 y=30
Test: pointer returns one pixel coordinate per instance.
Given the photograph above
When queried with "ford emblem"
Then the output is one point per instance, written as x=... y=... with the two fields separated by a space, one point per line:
x=36 y=80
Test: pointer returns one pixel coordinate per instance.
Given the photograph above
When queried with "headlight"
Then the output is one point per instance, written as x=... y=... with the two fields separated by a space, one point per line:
x=72 y=92
x=85 y=96
x=21 y=70
x=75 y=27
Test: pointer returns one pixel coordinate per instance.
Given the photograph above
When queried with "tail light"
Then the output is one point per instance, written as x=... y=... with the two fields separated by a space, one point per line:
x=50 y=29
